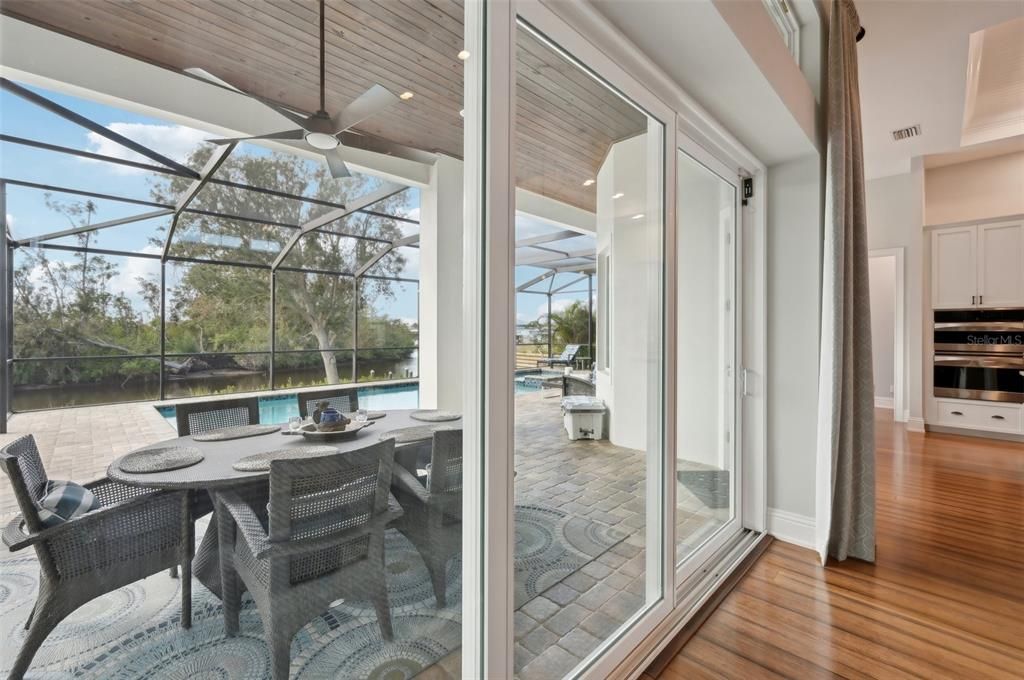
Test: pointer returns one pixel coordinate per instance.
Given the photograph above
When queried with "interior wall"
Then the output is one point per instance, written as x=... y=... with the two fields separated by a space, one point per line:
x=794 y=278
x=976 y=190
x=895 y=218
x=882 y=276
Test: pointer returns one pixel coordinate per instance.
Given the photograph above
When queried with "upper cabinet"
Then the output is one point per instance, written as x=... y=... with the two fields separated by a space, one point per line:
x=978 y=266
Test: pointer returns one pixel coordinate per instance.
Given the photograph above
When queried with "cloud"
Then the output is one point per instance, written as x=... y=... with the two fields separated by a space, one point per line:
x=559 y=305
x=174 y=141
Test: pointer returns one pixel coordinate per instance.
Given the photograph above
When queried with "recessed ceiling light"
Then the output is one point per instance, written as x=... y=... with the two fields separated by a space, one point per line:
x=618 y=195
x=405 y=95
x=464 y=55
x=588 y=182
x=637 y=217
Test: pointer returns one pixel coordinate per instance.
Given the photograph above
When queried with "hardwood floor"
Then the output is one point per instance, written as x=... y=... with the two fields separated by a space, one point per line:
x=944 y=600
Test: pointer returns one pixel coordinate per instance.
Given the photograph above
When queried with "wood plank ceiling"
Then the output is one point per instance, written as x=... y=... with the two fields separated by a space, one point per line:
x=565 y=120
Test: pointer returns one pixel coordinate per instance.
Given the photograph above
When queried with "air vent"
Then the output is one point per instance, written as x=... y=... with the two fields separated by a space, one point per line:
x=906 y=133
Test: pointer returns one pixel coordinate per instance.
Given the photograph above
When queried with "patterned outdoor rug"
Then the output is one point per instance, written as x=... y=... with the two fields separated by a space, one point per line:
x=133 y=633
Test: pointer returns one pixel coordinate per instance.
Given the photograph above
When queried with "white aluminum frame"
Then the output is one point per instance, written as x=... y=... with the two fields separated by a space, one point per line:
x=578 y=29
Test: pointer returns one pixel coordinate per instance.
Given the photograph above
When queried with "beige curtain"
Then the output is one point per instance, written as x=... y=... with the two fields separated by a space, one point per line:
x=846 y=444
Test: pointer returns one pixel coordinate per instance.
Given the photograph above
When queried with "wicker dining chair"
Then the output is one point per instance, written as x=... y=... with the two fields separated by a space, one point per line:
x=432 y=508
x=319 y=539
x=345 y=400
x=199 y=416
x=134 y=534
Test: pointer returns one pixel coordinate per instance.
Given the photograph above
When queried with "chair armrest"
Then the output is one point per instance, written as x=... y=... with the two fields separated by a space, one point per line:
x=300 y=547
x=405 y=483
x=245 y=519
x=102 y=522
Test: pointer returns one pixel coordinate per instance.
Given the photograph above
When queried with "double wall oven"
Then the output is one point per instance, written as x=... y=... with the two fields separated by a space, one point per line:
x=979 y=354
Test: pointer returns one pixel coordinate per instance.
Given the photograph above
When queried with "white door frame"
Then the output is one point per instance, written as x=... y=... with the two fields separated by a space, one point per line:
x=899 y=395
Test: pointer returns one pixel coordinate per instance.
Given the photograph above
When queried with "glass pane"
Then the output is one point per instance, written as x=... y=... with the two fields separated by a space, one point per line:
x=586 y=559
x=314 y=311
x=70 y=304
x=388 y=314
x=62 y=383
x=221 y=239
x=36 y=212
x=309 y=369
x=217 y=308
x=201 y=374
x=705 y=489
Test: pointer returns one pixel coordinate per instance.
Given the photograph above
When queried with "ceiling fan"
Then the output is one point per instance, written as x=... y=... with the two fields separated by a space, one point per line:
x=322 y=132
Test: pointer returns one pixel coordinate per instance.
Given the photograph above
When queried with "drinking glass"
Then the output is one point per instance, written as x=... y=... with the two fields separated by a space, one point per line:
x=294 y=423
x=361 y=415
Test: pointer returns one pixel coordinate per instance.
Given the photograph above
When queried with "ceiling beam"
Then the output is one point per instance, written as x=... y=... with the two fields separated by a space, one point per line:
x=99 y=225
x=546 y=238
x=210 y=168
x=571 y=283
x=546 y=258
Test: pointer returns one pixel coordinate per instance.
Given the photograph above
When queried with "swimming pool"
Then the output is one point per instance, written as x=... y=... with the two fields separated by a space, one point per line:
x=278 y=408
x=532 y=379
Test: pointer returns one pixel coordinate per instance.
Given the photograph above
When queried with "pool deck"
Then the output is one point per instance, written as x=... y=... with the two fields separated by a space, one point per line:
x=589 y=479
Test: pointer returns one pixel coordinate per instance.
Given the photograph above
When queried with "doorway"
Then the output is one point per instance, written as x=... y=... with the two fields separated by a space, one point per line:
x=885 y=273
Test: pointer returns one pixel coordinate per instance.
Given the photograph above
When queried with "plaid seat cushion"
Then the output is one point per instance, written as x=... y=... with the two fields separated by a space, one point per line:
x=64 y=501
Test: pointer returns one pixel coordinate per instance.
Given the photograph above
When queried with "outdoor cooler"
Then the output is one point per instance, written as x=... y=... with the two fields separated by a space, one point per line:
x=583 y=417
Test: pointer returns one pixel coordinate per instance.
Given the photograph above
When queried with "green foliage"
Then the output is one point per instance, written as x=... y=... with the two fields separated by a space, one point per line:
x=70 y=307
x=570 y=326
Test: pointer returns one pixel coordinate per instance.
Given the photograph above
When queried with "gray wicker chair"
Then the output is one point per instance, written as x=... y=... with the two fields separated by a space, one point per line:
x=136 y=533
x=345 y=400
x=199 y=416
x=319 y=539
x=432 y=508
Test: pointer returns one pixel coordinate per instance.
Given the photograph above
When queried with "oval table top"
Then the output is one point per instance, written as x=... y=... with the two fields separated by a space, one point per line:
x=215 y=470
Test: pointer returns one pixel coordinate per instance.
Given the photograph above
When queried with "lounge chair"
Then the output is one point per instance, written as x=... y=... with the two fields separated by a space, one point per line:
x=566 y=358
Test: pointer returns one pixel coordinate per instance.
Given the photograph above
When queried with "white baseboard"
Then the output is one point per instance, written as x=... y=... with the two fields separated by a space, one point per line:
x=915 y=424
x=883 y=402
x=791 y=527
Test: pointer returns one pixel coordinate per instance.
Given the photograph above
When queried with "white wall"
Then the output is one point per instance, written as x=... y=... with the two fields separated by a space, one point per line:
x=977 y=190
x=882 y=276
x=895 y=219
x=794 y=274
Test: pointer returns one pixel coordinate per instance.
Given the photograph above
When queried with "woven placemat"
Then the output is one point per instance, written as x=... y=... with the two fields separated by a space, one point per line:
x=409 y=435
x=433 y=416
x=260 y=462
x=160 y=460
x=370 y=415
x=223 y=434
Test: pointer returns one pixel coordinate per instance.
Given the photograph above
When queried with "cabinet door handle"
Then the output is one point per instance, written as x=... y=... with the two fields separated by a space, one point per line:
x=957 y=413
x=998 y=418
x=981 y=299
x=972 y=299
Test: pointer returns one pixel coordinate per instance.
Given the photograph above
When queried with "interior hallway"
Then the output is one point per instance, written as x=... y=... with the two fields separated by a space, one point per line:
x=945 y=599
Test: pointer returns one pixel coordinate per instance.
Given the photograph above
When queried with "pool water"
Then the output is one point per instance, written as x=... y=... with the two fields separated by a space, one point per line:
x=279 y=408
x=531 y=380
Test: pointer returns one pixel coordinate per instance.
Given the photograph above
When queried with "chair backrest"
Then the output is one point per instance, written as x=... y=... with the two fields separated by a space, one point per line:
x=20 y=460
x=199 y=416
x=570 y=352
x=446 y=463
x=317 y=497
x=345 y=400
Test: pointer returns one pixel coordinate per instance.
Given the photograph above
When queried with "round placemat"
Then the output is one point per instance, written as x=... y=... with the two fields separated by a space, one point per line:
x=433 y=416
x=160 y=460
x=260 y=462
x=370 y=415
x=237 y=432
x=409 y=435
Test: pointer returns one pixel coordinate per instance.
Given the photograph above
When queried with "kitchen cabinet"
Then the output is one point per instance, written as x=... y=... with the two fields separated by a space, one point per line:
x=979 y=266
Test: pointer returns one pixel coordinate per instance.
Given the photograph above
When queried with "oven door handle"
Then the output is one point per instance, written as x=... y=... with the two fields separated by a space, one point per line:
x=980 y=326
x=978 y=361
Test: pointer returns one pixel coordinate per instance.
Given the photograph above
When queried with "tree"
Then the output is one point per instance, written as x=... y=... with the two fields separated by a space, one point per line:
x=570 y=326
x=314 y=305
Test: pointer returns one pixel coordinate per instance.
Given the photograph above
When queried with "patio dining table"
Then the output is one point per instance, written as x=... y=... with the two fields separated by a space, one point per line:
x=215 y=471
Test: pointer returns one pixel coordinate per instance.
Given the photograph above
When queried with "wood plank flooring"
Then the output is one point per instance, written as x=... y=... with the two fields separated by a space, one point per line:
x=944 y=600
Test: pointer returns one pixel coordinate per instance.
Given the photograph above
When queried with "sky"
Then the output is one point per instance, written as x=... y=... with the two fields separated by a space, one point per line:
x=28 y=216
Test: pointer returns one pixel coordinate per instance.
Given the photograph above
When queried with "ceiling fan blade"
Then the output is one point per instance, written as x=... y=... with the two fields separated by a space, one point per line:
x=336 y=164
x=369 y=103
x=298 y=119
x=209 y=77
x=286 y=135
x=383 y=146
